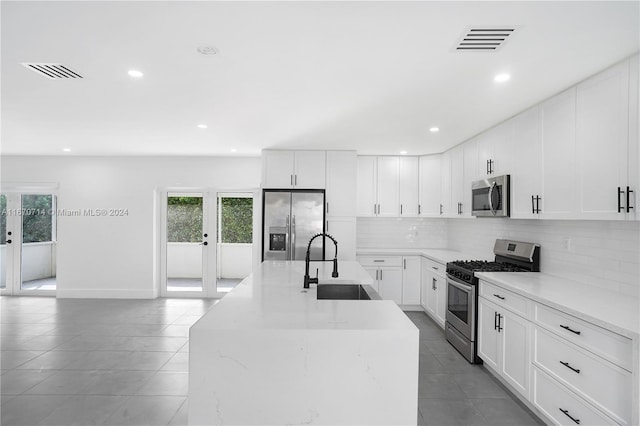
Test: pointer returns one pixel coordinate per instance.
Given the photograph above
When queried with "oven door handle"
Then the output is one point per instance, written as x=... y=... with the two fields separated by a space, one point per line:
x=458 y=284
x=493 y=185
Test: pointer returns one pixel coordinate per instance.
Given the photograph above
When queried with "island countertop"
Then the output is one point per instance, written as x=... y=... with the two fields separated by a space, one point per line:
x=271 y=353
x=273 y=297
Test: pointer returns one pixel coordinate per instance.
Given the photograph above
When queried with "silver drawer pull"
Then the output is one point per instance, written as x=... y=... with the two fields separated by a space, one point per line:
x=499 y=297
x=566 y=364
x=566 y=327
x=433 y=267
x=378 y=260
x=566 y=413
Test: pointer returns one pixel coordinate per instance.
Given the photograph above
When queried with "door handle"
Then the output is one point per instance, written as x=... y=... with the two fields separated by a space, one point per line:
x=204 y=243
x=620 y=192
x=8 y=241
x=380 y=274
x=566 y=327
x=493 y=185
x=629 y=206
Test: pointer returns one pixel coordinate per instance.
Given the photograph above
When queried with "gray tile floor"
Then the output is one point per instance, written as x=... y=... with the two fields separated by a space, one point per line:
x=125 y=362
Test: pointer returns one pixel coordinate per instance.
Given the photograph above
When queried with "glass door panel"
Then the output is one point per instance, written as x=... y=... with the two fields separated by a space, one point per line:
x=38 y=251
x=234 y=239
x=186 y=243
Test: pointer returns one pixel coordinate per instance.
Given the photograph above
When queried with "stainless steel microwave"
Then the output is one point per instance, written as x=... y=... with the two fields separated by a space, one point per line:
x=490 y=197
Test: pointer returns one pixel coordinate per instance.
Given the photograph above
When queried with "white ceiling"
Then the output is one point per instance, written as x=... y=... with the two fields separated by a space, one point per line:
x=370 y=76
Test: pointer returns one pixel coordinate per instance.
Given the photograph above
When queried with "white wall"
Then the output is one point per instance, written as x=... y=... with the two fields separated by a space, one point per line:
x=116 y=256
x=401 y=233
x=601 y=253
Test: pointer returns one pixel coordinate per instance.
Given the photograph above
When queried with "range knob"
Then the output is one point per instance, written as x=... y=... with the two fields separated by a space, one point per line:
x=467 y=277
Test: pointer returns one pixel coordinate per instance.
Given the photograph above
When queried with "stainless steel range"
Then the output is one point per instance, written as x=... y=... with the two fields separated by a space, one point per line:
x=462 y=295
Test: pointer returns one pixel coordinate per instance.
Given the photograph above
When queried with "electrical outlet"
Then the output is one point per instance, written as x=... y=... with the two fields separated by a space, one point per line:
x=567 y=244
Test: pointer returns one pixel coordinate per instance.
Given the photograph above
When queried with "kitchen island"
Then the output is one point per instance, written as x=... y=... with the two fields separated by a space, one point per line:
x=271 y=353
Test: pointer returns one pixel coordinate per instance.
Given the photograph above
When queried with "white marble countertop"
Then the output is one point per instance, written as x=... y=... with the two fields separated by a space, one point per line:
x=273 y=298
x=610 y=310
x=439 y=255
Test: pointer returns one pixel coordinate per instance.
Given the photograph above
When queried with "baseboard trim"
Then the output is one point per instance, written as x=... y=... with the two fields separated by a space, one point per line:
x=105 y=294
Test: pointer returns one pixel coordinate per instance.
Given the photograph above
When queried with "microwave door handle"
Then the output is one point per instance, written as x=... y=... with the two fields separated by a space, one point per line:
x=493 y=185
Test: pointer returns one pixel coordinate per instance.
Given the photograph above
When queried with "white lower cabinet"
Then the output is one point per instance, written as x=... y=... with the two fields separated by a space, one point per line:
x=387 y=274
x=504 y=344
x=411 y=273
x=433 y=295
x=570 y=370
x=560 y=405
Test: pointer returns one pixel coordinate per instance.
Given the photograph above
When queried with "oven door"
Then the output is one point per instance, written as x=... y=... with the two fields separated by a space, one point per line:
x=461 y=307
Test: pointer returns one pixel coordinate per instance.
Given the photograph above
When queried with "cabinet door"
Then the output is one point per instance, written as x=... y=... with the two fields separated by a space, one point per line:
x=408 y=186
x=457 y=179
x=441 y=298
x=494 y=150
x=487 y=333
x=391 y=284
x=374 y=273
x=526 y=180
x=425 y=280
x=432 y=296
x=343 y=229
x=309 y=169
x=445 y=189
x=430 y=186
x=514 y=351
x=602 y=107
x=559 y=166
x=634 y=128
x=388 y=186
x=411 y=273
x=469 y=174
x=277 y=169
x=366 y=185
x=342 y=176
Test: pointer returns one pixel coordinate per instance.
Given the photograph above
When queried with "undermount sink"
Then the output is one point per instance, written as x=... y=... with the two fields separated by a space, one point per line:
x=346 y=292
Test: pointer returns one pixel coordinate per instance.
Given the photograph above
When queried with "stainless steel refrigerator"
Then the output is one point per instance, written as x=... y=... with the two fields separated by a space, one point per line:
x=289 y=219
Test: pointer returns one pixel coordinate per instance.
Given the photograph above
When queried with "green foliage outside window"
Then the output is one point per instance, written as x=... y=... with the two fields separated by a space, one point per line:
x=184 y=219
x=237 y=220
x=37 y=218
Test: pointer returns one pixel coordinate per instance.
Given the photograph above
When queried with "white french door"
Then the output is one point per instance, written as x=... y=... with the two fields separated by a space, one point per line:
x=188 y=243
x=28 y=244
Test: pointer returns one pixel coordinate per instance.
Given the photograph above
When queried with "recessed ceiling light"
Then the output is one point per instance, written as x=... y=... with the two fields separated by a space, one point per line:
x=202 y=126
x=207 y=50
x=234 y=150
x=501 y=78
x=66 y=149
x=434 y=129
x=403 y=152
x=135 y=73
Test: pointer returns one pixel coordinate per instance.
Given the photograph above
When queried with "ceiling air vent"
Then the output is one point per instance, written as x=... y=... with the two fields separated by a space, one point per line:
x=52 y=71
x=487 y=39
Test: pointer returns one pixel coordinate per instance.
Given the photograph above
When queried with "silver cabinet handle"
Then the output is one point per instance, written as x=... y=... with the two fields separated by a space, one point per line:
x=433 y=267
x=400 y=208
x=291 y=178
x=376 y=275
x=327 y=207
x=419 y=209
x=374 y=209
x=378 y=260
x=440 y=209
x=295 y=180
x=404 y=261
x=433 y=284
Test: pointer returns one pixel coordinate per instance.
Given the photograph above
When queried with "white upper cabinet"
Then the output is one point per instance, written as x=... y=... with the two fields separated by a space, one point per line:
x=378 y=186
x=293 y=169
x=494 y=150
x=559 y=165
x=634 y=129
x=408 y=186
x=527 y=165
x=430 y=186
x=388 y=186
x=445 y=187
x=342 y=170
x=469 y=174
x=602 y=136
x=367 y=202
x=457 y=182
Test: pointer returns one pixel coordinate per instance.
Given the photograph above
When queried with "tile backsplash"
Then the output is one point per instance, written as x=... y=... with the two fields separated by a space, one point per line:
x=601 y=253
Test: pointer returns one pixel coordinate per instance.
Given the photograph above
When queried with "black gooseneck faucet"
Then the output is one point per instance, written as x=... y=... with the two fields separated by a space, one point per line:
x=308 y=280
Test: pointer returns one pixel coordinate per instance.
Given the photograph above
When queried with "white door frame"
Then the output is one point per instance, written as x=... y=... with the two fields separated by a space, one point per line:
x=209 y=253
x=13 y=251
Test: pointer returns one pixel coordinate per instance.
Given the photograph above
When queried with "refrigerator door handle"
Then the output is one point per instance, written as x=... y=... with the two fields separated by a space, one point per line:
x=293 y=237
x=287 y=243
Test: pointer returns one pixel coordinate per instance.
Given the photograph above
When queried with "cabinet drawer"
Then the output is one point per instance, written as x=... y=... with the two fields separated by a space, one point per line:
x=612 y=346
x=605 y=385
x=436 y=268
x=558 y=403
x=504 y=298
x=380 y=260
